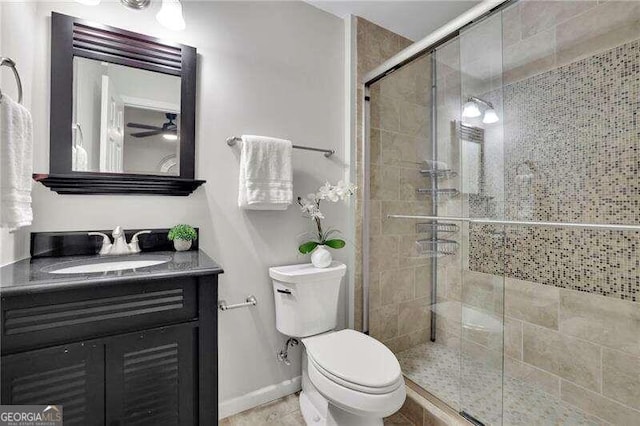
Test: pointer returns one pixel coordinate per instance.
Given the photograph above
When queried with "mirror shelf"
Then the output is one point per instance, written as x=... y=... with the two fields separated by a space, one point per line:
x=100 y=183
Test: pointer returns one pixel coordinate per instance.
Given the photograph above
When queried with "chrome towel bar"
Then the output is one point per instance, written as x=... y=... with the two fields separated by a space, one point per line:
x=8 y=62
x=327 y=152
x=597 y=226
x=251 y=301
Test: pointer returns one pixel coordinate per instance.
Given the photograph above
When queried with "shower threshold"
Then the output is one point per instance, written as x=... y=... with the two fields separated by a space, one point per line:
x=476 y=386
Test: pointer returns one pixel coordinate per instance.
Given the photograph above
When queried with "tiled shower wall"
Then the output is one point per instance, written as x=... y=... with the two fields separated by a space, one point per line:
x=399 y=140
x=572 y=155
x=374 y=45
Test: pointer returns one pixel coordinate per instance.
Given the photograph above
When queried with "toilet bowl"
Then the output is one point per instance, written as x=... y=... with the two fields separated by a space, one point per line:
x=348 y=378
x=359 y=378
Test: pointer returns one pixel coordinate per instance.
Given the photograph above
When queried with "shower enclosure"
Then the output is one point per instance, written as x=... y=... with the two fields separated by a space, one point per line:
x=502 y=211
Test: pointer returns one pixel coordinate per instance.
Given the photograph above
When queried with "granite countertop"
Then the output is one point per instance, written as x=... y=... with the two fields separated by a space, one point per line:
x=31 y=276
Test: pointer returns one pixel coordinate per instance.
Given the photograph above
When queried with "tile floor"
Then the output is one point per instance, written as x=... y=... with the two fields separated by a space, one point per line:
x=439 y=370
x=286 y=412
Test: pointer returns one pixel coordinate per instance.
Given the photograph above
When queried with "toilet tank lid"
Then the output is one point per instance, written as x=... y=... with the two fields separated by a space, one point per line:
x=306 y=272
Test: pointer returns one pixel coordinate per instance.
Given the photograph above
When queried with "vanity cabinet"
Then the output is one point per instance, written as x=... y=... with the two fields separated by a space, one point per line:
x=150 y=377
x=69 y=375
x=142 y=352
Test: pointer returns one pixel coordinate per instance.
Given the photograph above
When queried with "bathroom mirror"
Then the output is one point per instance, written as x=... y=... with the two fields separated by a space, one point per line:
x=122 y=116
x=472 y=151
x=125 y=120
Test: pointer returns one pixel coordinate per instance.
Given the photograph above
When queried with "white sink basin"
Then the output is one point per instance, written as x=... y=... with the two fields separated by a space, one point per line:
x=105 y=265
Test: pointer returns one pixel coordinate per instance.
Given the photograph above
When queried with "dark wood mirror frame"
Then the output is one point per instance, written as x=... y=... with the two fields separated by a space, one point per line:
x=72 y=37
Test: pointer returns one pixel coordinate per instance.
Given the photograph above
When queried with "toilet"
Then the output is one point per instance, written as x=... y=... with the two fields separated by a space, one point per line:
x=348 y=378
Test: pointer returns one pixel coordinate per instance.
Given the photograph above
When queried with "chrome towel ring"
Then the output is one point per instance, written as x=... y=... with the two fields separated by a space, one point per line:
x=8 y=62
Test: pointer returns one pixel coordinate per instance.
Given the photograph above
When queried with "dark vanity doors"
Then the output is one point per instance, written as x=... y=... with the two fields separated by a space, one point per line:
x=138 y=353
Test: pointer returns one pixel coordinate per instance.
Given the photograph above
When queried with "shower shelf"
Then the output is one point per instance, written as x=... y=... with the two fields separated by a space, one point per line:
x=449 y=192
x=436 y=248
x=444 y=227
x=438 y=173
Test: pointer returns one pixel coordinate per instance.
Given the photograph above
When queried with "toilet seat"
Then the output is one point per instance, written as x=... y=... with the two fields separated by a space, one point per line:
x=354 y=359
x=356 y=386
x=355 y=372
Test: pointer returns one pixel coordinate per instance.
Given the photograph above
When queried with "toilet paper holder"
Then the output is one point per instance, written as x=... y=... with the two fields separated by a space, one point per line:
x=250 y=301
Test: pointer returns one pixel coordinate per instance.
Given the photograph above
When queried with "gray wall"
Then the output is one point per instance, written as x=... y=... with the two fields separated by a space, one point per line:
x=273 y=68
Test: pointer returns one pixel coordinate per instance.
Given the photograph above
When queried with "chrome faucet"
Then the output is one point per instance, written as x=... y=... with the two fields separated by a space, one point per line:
x=119 y=245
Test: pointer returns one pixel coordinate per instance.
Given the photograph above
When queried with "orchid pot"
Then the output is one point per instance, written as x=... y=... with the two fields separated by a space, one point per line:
x=320 y=241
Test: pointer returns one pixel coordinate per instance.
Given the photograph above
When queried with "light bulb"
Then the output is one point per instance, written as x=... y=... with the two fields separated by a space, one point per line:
x=89 y=2
x=170 y=15
x=170 y=136
x=490 y=116
x=470 y=110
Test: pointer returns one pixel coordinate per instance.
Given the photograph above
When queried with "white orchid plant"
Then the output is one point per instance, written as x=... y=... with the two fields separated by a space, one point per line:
x=310 y=206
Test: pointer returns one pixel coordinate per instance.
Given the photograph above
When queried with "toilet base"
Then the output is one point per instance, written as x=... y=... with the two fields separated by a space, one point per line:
x=317 y=411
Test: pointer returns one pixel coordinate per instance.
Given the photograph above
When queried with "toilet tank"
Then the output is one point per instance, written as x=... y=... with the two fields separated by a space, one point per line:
x=306 y=298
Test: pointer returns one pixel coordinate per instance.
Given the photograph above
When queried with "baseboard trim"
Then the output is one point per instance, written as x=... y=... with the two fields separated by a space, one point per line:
x=259 y=397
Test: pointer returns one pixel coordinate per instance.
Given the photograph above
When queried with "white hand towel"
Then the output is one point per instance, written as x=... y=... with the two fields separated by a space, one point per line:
x=74 y=153
x=266 y=181
x=81 y=159
x=16 y=164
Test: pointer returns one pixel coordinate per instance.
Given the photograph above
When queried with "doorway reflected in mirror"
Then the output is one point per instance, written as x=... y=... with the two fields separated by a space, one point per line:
x=126 y=120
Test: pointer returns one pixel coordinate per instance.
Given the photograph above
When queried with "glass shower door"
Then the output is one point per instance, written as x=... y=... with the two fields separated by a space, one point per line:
x=479 y=140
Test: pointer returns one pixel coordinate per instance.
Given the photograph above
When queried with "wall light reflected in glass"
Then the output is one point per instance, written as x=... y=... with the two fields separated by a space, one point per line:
x=471 y=109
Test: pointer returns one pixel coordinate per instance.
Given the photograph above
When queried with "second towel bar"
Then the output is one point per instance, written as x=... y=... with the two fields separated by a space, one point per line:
x=327 y=152
x=251 y=301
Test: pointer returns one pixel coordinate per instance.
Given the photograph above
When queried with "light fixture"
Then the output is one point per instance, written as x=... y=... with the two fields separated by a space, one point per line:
x=490 y=116
x=170 y=15
x=136 y=4
x=471 y=110
x=170 y=136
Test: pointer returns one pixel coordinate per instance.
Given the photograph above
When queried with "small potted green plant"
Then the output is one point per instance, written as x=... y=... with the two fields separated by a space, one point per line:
x=182 y=236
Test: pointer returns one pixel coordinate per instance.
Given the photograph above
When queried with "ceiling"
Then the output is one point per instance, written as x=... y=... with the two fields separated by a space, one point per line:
x=412 y=19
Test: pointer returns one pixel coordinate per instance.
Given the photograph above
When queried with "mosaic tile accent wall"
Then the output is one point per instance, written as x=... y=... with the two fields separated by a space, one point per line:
x=600 y=262
x=572 y=140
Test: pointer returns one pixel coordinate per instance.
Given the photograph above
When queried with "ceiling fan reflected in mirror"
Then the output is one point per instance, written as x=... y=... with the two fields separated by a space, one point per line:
x=169 y=130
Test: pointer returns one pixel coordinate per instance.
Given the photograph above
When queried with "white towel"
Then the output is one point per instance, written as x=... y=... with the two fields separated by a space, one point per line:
x=74 y=154
x=265 y=173
x=16 y=164
x=81 y=159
